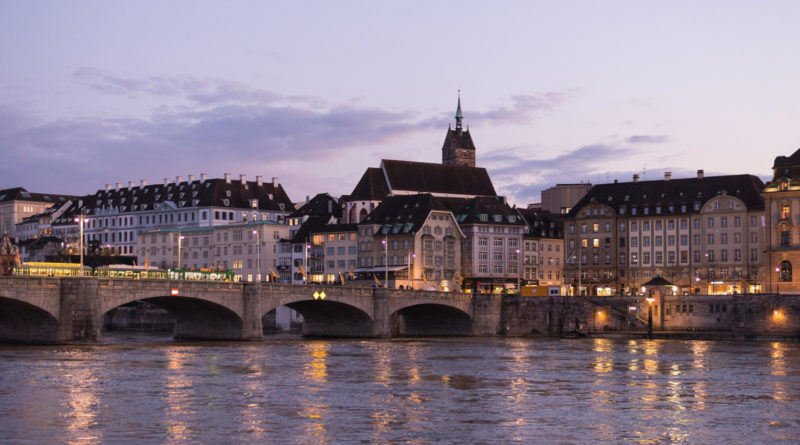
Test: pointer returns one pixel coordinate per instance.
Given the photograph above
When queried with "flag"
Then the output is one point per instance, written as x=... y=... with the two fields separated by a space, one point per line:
x=273 y=274
x=458 y=278
x=147 y=263
x=341 y=277
x=302 y=271
x=377 y=281
x=19 y=262
x=352 y=273
x=424 y=280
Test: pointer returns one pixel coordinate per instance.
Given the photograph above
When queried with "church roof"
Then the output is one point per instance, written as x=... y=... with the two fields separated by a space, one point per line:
x=424 y=177
x=371 y=186
x=321 y=204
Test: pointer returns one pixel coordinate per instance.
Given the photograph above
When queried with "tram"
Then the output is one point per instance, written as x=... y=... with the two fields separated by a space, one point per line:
x=44 y=269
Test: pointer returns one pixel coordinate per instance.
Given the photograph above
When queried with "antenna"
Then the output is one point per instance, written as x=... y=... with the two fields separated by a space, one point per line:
x=644 y=172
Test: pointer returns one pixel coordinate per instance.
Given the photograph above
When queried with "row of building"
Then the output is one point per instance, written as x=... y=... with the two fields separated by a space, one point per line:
x=439 y=226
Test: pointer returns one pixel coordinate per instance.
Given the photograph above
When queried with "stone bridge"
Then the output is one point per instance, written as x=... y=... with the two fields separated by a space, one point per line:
x=70 y=310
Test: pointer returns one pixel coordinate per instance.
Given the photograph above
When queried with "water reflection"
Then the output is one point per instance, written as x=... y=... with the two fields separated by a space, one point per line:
x=81 y=385
x=314 y=409
x=778 y=368
x=178 y=395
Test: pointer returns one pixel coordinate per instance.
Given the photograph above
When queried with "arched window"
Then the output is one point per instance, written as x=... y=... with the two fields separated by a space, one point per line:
x=785 y=272
x=362 y=215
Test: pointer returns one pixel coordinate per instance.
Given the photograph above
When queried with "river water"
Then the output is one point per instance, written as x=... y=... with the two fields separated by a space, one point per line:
x=141 y=388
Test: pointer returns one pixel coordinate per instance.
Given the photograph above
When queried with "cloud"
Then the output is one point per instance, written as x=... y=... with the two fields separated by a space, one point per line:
x=647 y=139
x=201 y=123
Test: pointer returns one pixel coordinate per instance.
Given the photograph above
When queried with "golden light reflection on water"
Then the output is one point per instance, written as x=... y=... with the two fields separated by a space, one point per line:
x=317 y=369
x=603 y=357
x=81 y=385
x=778 y=368
x=314 y=412
x=700 y=351
x=178 y=388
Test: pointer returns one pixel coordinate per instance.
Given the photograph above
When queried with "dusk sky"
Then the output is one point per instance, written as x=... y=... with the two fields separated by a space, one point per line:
x=97 y=92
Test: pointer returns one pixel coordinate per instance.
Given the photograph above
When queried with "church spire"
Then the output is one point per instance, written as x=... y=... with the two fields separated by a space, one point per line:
x=459 y=116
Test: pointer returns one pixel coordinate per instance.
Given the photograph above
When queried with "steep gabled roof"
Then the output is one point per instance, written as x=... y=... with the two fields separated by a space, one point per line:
x=405 y=213
x=312 y=225
x=319 y=205
x=371 y=186
x=424 y=177
x=458 y=139
x=675 y=193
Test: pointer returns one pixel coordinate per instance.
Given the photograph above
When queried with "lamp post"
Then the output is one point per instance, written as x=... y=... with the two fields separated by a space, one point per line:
x=386 y=261
x=410 y=256
x=80 y=220
x=778 y=280
x=650 y=300
x=519 y=271
x=305 y=262
x=180 y=238
x=258 y=251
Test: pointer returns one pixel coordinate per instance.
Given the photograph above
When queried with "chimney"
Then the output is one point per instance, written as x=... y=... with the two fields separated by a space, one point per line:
x=191 y=179
x=166 y=181
x=636 y=178
x=130 y=184
x=119 y=186
x=330 y=207
x=203 y=177
x=667 y=176
x=178 y=179
x=227 y=178
x=307 y=198
x=700 y=174
x=616 y=181
x=275 y=181
x=108 y=187
x=260 y=180
x=243 y=178
x=142 y=183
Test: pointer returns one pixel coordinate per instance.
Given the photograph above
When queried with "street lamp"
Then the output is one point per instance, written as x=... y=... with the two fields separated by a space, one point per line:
x=778 y=280
x=80 y=220
x=519 y=271
x=386 y=261
x=410 y=256
x=180 y=238
x=258 y=260
x=650 y=300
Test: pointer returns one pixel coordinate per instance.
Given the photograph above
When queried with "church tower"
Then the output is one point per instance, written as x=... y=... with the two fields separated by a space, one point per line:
x=458 y=148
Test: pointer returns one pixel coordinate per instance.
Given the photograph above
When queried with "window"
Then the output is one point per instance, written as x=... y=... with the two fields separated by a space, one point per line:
x=786 y=239
x=723 y=221
x=737 y=221
x=785 y=212
x=785 y=273
x=710 y=222
x=596 y=242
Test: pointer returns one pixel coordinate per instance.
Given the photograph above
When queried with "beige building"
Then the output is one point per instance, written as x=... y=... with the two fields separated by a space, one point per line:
x=562 y=197
x=703 y=234
x=16 y=204
x=543 y=251
x=249 y=249
x=782 y=221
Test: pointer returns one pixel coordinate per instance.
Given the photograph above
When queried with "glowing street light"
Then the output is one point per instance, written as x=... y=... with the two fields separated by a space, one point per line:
x=319 y=295
x=650 y=301
x=258 y=260
x=80 y=219
x=385 y=242
x=180 y=238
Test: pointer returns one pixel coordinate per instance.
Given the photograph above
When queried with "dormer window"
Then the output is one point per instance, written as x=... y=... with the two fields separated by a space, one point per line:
x=226 y=202
x=784 y=186
x=228 y=193
x=254 y=203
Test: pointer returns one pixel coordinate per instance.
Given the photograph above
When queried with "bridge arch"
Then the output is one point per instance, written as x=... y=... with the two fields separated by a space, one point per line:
x=201 y=311
x=24 y=322
x=430 y=320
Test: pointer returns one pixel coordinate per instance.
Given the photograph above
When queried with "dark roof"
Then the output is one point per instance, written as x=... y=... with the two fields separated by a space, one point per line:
x=404 y=213
x=371 y=186
x=786 y=167
x=20 y=194
x=203 y=193
x=495 y=211
x=459 y=139
x=658 y=281
x=674 y=192
x=312 y=225
x=543 y=224
x=335 y=228
x=424 y=177
x=322 y=204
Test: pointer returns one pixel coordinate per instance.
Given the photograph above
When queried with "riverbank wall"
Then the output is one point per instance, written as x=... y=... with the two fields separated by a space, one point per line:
x=762 y=316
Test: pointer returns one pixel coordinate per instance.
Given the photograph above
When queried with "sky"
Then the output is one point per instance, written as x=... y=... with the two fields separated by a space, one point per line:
x=99 y=92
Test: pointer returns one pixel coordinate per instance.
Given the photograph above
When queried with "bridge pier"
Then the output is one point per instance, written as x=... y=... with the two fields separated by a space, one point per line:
x=486 y=314
x=252 y=328
x=381 y=316
x=79 y=316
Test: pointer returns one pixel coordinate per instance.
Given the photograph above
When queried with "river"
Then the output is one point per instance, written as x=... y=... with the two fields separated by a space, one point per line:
x=145 y=388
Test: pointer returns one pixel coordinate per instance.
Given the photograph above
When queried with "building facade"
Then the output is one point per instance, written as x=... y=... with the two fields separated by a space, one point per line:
x=543 y=249
x=249 y=249
x=782 y=220
x=703 y=234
